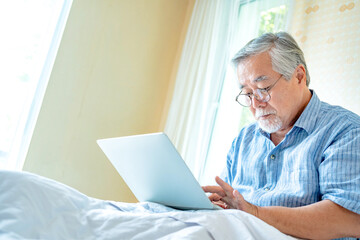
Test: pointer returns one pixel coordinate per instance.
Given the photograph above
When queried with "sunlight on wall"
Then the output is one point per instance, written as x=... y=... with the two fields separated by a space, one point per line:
x=110 y=79
x=329 y=33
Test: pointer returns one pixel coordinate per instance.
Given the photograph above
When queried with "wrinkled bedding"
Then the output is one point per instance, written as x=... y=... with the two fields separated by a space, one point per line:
x=34 y=207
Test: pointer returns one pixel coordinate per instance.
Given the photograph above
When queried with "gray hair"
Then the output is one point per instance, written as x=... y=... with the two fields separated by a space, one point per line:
x=285 y=53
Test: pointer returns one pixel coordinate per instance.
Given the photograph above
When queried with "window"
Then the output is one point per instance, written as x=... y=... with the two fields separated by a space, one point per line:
x=255 y=18
x=31 y=32
x=271 y=19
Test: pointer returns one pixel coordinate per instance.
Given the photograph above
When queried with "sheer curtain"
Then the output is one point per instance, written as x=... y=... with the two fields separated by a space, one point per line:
x=203 y=118
x=199 y=80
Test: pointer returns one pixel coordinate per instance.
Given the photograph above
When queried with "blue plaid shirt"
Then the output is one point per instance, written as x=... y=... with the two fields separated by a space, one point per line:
x=318 y=159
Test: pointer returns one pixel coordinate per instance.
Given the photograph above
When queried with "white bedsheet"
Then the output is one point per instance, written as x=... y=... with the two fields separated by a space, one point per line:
x=34 y=207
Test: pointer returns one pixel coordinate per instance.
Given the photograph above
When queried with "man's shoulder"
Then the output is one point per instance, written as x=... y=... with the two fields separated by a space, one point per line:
x=335 y=122
x=333 y=114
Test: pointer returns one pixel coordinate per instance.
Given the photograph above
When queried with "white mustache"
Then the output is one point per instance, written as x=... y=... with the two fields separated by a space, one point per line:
x=261 y=112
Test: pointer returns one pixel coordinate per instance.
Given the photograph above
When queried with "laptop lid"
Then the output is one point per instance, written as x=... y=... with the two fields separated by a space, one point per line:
x=154 y=170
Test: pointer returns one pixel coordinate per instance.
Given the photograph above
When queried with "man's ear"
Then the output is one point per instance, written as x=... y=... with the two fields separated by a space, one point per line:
x=300 y=74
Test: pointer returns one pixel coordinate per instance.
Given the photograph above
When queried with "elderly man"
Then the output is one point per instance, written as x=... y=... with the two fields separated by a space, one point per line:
x=298 y=167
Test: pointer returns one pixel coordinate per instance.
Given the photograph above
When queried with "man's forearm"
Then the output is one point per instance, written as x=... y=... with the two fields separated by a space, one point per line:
x=322 y=220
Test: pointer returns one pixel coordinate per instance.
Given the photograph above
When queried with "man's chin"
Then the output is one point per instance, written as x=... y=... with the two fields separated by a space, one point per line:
x=269 y=127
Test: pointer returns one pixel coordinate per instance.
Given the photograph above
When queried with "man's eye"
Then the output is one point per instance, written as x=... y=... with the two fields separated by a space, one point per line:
x=264 y=89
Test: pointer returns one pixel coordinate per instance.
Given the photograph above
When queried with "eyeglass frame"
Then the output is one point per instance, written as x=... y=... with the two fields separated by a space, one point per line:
x=263 y=90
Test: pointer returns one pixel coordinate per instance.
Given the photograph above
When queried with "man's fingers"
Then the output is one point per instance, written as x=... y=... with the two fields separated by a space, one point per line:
x=222 y=192
x=237 y=195
x=226 y=187
x=214 y=189
x=239 y=199
x=220 y=204
x=210 y=188
x=214 y=197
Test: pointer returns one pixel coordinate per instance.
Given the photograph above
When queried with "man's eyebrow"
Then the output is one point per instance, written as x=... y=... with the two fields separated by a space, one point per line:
x=256 y=80
x=261 y=78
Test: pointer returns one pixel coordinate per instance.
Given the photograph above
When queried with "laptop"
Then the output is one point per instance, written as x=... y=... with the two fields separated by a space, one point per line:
x=154 y=171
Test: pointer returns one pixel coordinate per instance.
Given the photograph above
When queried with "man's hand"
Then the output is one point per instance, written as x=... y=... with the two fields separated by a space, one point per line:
x=227 y=197
x=321 y=220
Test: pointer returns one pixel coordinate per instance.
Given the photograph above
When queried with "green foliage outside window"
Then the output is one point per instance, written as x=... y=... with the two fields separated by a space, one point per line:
x=270 y=17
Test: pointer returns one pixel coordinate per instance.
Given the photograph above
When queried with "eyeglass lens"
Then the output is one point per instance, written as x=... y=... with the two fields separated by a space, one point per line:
x=246 y=99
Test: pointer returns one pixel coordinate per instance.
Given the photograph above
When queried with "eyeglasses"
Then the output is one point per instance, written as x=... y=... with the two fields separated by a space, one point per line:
x=261 y=94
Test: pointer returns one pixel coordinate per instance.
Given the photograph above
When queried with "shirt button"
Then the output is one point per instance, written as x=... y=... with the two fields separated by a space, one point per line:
x=272 y=156
x=266 y=189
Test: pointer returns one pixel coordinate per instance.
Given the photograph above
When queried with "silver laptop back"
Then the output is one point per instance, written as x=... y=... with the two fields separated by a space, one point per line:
x=154 y=171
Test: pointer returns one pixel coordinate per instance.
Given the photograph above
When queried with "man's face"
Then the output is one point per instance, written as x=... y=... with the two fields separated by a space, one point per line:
x=281 y=112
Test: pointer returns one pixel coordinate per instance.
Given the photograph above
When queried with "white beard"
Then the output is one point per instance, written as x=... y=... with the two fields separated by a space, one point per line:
x=268 y=125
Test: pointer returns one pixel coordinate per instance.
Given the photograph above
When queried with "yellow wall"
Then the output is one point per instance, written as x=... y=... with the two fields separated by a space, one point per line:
x=329 y=34
x=111 y=77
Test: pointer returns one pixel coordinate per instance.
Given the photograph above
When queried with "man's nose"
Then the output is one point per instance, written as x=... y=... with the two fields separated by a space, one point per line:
x=257 y=104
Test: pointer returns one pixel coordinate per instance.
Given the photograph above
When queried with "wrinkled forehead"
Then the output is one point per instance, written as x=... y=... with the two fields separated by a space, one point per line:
x=254 y=70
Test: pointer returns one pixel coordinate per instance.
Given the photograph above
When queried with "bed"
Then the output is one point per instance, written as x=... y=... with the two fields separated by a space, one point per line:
x=35 y=207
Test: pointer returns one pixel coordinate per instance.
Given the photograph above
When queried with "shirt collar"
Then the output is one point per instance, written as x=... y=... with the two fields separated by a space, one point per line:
x=307 y=119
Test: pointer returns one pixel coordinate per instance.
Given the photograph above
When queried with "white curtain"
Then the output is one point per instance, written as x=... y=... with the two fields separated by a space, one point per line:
x=199 y=79
x=216 y=31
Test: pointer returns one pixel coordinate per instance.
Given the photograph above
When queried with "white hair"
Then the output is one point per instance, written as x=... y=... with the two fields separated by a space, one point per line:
x=285 y=53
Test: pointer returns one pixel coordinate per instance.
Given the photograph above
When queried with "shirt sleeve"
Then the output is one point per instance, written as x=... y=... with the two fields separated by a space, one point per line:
x=339 y=172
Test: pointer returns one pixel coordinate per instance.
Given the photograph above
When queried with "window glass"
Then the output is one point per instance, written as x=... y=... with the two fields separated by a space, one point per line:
x=30 y=34
x=271 y=18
